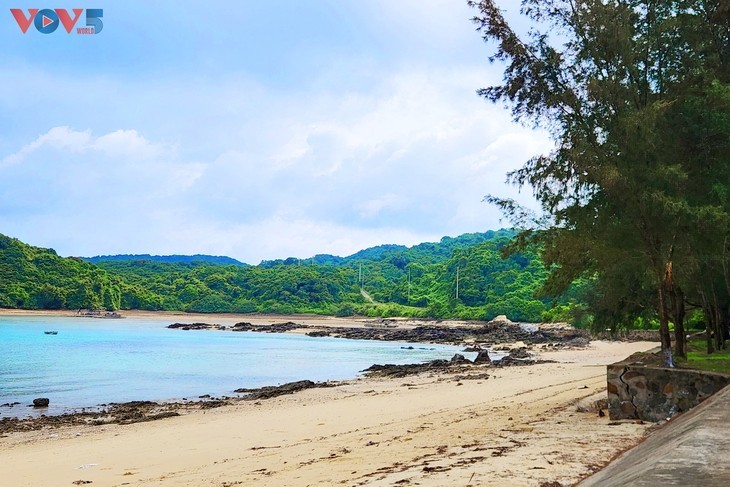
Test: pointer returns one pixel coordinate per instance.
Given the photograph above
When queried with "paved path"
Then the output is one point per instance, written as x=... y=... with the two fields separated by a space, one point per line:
x=367 y=296
x=691 y=450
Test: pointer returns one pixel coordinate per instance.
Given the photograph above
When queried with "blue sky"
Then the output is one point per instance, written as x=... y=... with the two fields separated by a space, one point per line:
x=254 y=129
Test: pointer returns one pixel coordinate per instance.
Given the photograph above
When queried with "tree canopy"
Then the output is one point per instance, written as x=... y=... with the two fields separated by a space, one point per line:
x=635 y=194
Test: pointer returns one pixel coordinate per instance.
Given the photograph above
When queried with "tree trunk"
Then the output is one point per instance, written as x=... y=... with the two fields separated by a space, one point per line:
x=664 y=329
x=724 y=261
x=709 y=322
x=678 y=312
x=717 y=322
x=722 y=326
x=719 y=342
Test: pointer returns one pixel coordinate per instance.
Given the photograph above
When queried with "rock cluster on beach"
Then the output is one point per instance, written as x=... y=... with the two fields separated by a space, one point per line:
x=195 y=326
x=242 y=326
x=458 y=362
x=268 y=392
x=494 y=332
x=118 y=413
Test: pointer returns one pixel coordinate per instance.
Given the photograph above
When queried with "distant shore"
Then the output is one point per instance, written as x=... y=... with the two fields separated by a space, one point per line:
x=478 y=425
x=229 y=319
x=232 y=318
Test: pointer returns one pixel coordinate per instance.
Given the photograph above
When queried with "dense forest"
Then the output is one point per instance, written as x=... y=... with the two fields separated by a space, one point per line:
x=464 y=277
x=209 y=259
x=635 y=195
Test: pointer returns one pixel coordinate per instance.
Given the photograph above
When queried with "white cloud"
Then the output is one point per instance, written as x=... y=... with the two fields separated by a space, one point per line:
x=128 y=144
x=74 y=176
x=57 y=138
x=407 y=159
x=373 y=207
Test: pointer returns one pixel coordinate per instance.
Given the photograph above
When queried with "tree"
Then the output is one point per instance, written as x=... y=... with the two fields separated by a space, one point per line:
x=619 y=84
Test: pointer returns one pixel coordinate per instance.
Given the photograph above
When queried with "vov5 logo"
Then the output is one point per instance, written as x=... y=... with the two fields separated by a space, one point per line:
x=46 y=21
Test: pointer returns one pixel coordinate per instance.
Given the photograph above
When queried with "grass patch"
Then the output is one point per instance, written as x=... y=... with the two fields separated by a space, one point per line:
x=697 y=358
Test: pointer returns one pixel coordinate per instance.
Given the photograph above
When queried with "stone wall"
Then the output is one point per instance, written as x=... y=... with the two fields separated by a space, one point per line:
x=651 y=393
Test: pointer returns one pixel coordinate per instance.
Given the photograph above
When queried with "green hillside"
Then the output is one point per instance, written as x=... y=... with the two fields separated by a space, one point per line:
x=416 y=281
x=174 y=259
x=37 y=278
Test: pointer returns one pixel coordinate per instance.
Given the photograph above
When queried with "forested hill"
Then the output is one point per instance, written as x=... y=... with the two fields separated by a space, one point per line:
x=428 y=252
x=37 y=278
x=462 y=277
x=174 y=259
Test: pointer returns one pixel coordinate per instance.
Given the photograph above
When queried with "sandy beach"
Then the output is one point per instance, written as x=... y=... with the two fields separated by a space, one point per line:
x=486 y=426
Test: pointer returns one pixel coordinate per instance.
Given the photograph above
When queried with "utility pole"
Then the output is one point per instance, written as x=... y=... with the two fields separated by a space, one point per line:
x=409 y=284
x=359 y=276
x=457 y=282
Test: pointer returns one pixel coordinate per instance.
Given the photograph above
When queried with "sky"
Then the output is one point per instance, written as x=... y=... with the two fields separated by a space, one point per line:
x=255 y=129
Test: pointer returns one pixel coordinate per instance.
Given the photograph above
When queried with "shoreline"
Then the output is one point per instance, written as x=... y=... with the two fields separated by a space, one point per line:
x=503 y=338
x=512 y=426
x=466 y=425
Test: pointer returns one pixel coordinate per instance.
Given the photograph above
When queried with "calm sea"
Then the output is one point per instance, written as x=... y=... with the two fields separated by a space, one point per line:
x=95 y=361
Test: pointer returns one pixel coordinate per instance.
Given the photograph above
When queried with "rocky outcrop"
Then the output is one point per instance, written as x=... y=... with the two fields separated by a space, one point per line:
x=196 y=326
x=494 y=332
x=489 y=333
x=482 y=357
x=501 y=320
x=274 y=328
x=457 y=363
x=391 y=370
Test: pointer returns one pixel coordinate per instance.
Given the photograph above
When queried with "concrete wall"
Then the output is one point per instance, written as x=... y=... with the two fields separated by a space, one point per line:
x=650 y=393
x=687 y=451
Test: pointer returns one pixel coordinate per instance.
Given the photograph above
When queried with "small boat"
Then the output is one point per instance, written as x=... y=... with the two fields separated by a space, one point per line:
x=51 y=332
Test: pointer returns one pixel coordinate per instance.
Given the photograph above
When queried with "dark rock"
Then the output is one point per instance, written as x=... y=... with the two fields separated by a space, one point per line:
x=459 y=359
x=242 y=326
x=508 y=361
x=390 y=370
x=275 y=328
x=41 y=402
x=320 y=333
x=519 y=353
x=282 y=327
x=274 y=391
x=483 y=358
x=193 y=326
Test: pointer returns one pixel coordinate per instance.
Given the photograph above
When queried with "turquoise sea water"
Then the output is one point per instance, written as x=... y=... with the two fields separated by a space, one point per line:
x=95 y=361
